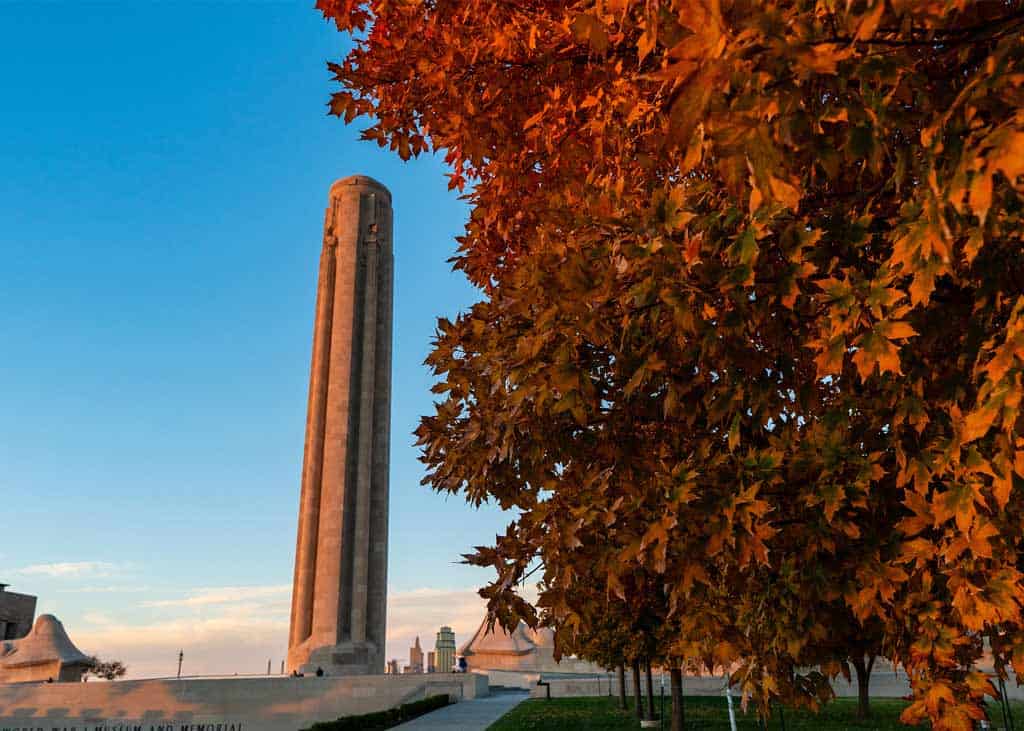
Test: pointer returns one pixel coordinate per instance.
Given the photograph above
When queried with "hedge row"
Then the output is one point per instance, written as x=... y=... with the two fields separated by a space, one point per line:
x=383 y=719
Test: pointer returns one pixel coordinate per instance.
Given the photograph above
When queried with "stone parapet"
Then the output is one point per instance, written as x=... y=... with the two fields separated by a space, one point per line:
x=884 y=684
x=275 y=703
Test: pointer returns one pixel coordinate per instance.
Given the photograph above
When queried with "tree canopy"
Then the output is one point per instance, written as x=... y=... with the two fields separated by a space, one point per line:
x=106 y=669
x=751 y=339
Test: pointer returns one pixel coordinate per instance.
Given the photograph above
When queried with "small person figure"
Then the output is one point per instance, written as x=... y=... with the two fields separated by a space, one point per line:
x=462 y=664
x=319 y=672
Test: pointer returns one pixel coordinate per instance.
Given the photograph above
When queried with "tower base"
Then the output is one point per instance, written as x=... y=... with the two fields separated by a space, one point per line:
x=347 y=658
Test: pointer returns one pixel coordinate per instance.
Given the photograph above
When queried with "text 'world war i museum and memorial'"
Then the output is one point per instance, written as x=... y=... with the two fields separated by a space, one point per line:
x=339 y=603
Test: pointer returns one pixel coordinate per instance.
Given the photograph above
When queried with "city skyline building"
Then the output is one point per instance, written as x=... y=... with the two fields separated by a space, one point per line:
x=444 y=650
x=415 y=658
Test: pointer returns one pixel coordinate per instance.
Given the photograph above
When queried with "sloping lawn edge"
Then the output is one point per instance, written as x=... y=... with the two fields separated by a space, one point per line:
x=383 y=719
x=709 y=713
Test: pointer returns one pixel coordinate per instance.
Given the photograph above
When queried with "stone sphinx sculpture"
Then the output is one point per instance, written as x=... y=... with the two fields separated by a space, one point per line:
x=45 y=654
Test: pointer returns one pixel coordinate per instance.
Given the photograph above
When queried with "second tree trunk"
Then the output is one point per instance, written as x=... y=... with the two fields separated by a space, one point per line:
x=636 y=690
x=678 y=714
x=650 y=693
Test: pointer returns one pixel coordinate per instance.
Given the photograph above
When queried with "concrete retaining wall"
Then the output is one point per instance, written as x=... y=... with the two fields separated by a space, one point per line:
x=232 y=704
x=509 y=679
x=884 y=684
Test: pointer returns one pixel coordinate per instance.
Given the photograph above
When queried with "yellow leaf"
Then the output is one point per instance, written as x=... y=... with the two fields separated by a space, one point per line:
x=979 y=683
x=692 y=251
x=927 y=135
x=981 y=195
x=693 y=572
x=755 y=196
x=869 y=23
x=865 y=363
x=734 y=433
x=977 y=424
x=874 y=348
x=591 y=30
x=899 y=330
x=1010 y=157
x=648 y=39
x=980 y=533
x=973 y=246
x=534 y=119
x=830 y=360
x=937 y=695
x=788 y=195
x=825 y=58
x=922 y=286
x=837 y=115
x=694 y=151
x=1002 y=486
x=616 y=586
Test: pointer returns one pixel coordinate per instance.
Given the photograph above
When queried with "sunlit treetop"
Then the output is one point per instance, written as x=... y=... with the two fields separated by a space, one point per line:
x=752 y=313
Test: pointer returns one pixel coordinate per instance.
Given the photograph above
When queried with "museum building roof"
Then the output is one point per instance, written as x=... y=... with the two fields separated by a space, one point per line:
x=522 y=640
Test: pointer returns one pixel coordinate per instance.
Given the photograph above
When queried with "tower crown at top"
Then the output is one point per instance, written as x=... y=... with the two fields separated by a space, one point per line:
x=364 y=182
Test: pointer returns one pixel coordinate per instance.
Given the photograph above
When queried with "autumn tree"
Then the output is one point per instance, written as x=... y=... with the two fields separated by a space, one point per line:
x=605 y=637
x=752 y=312
x=106 y=669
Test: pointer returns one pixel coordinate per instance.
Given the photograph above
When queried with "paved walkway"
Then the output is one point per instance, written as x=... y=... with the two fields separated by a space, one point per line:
x=474 y=715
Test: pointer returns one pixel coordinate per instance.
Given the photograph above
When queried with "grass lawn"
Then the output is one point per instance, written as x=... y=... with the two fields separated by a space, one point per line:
x=710 y=714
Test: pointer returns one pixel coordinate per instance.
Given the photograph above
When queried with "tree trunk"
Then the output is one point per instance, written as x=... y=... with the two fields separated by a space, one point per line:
x=650 y=693
x=863 y=671
x=622 y=687
x=678 y=716
x=637 y=698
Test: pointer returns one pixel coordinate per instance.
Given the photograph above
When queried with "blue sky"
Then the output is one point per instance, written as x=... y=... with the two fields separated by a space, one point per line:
x=163 y=176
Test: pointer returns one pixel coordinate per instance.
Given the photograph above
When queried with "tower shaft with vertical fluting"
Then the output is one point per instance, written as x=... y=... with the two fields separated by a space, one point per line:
x=339 y=599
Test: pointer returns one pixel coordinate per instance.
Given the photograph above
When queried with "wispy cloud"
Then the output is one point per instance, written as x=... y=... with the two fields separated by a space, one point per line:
x=71 y=569
x=223 y=595
x=123 y=589
x=233 y=640
x=225 y=630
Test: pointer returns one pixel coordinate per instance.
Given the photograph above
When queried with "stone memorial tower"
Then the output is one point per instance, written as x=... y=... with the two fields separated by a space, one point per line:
x=339 y=600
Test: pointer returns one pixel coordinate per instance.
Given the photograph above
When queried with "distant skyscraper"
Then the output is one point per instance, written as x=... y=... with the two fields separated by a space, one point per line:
x=393 y=668
x=416 y=658
x=431 y=667
x=444 y=650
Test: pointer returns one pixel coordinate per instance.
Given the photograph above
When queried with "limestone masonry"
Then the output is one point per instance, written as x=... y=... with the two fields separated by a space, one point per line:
x=35 y=650
x=46 y=654
x=246 y=704
x=340 y=591
x=17 y=613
